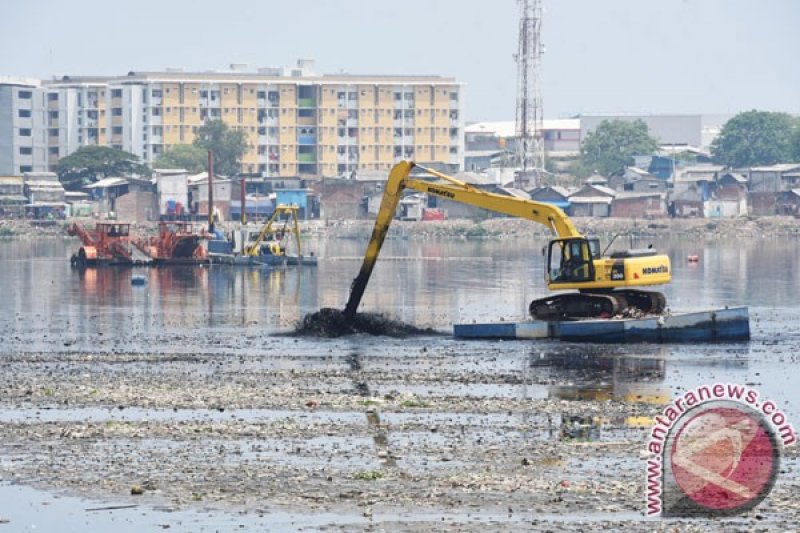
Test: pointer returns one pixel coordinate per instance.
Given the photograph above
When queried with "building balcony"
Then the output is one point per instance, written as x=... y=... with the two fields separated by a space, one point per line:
x=306 y=140
x=306 y=121
x=306 y=102
x=307 y=158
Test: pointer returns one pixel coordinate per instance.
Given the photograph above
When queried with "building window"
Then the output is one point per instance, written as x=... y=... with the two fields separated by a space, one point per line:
x=156 y=111
x=25 y=168
x=25 y=132
x=116 y=111
x=25 y=150
x=116 y=93
x=53 y=150
x=156 y=93
x=24 y=113
x=116 y=130
x=52 y=97
x=25 y=95
x=53 y=132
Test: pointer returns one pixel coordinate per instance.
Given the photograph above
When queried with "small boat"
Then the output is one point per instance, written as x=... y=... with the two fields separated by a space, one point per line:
x=265 y=246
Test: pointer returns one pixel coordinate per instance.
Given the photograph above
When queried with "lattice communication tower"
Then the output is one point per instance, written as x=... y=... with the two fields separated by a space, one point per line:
x=529 y=125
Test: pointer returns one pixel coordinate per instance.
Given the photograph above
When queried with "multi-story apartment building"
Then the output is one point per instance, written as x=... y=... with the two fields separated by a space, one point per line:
x=296 y=123
x=22 y=146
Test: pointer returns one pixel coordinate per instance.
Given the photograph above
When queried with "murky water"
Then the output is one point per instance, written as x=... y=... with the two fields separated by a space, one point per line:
x=49 y=307
x=52 y=317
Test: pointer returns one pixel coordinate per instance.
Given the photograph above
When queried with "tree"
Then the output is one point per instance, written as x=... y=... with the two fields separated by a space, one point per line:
x=87 y=164
x=186 y=156
x=228 y=146
x=755 y=138
x=612 y=145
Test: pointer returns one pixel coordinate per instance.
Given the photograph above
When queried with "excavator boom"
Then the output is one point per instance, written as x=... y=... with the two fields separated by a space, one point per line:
x=575 y=264
x=458 y=191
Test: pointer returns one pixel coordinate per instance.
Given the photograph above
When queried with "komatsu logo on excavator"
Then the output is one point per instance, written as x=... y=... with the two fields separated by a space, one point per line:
x=446 y=194
x=663 y=269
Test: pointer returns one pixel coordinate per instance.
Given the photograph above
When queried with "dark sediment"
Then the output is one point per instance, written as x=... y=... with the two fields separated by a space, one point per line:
x=328 y=322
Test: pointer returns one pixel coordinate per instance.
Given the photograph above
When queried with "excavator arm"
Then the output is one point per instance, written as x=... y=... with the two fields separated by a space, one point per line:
x=457 y=191
x=291 y=210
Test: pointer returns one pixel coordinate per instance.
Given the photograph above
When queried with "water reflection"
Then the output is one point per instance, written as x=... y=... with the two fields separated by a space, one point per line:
x=594 y=372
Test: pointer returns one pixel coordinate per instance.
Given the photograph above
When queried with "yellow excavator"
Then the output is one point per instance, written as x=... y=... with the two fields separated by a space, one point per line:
x=270 y=238
x=604 y=286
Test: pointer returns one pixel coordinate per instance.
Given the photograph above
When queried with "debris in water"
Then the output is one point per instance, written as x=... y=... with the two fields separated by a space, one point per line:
x=328 y=322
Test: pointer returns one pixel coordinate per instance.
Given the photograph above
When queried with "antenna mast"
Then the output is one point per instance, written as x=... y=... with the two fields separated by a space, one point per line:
x=529 y=125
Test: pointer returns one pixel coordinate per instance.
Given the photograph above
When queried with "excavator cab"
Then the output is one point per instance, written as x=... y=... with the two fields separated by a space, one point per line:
x=571 y=260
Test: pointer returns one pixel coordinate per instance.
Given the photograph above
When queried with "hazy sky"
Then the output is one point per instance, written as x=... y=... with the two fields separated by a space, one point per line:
x=656 y=56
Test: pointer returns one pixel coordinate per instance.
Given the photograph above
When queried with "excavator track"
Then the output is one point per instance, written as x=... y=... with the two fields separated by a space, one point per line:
x=649 y=302
x=579 y=305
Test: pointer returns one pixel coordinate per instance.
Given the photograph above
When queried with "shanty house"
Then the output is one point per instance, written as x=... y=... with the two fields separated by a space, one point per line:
x=12 y=196
x=591 y=201
x=45 y=195
x=788 y=203
x=556 y=195
x=774 y=178
x=639 y=205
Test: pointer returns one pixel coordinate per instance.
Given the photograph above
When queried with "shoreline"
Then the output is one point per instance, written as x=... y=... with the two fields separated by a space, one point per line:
x=493 y=228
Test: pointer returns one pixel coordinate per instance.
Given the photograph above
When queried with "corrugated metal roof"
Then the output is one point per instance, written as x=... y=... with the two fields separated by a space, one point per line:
x=107 y=182
x=13 y=180
x=629 y=195
x=591 y=199
x=781 y=167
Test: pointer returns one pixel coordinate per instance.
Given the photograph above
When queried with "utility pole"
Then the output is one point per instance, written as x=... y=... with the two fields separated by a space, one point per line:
x=529 y=123
x=210 y=191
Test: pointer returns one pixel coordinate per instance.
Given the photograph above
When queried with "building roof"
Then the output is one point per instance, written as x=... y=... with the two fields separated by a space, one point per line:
x=40 y=176
x=737 y=177
x=238 y=76
x=106 y=183
x=606 y=190
x=781 y=167
x=644 y=194
x=12 y=199
x=508 y=128
x=75 y=194
x=638 y=171
x=590 y=199
x=596 y=179
x=518 y=193
x=694 y=169
x=44 y=185
x=563 y=191
x=20 y=82
x=170 y=171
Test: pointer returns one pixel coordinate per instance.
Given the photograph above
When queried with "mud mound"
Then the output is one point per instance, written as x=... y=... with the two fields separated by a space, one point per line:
x=329 y=322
